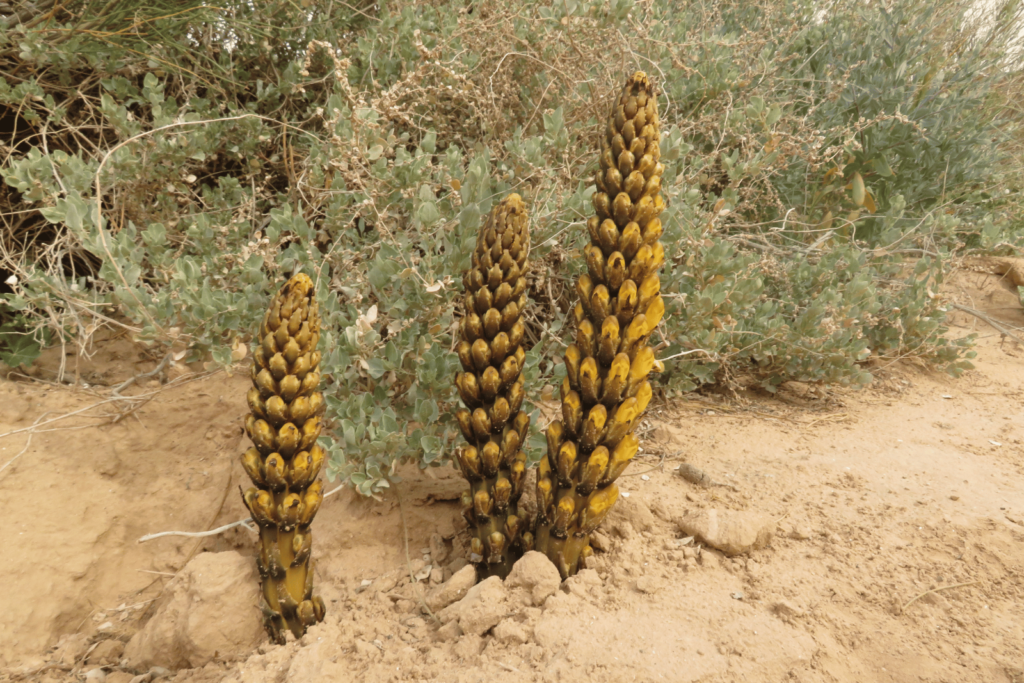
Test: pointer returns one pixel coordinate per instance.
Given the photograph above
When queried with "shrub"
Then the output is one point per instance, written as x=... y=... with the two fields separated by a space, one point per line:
x=821 y=168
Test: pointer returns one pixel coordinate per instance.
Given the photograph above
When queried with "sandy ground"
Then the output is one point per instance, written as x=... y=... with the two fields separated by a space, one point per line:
x=912 y=488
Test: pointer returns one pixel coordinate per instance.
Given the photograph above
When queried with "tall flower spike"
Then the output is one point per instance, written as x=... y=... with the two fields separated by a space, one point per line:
x=284 y=462
x=606 y=389
x=491 y=387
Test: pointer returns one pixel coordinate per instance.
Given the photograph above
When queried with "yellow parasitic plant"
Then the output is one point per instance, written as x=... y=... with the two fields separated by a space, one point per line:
x=284 y=462
x=491 y=387
x=606 y=389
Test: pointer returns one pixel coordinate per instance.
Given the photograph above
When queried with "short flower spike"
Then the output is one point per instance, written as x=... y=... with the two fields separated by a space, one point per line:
x=285 y=460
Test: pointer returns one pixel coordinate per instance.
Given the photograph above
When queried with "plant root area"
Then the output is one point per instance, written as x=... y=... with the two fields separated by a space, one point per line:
x=891 y=542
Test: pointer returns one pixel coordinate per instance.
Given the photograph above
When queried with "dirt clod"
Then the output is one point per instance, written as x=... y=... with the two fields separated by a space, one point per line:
x=453 y=589
x=536 y=574
x=438 y=549
x=72 y=648
x=481 y=609
x=510 y=631
x=450 y=632
x=648 y=585
x=599 y=541
x=800 y=532
x=469 y=646
x=734 y=533
x=106 y=652
x=205 y=613
x=629 y=517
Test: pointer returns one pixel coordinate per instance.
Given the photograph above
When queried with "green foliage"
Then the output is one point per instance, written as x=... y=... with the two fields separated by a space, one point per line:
x=168 y=167
x=18 y=348
x=913 y=88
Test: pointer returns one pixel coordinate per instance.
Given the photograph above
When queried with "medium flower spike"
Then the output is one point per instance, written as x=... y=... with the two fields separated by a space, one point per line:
x=491 y=351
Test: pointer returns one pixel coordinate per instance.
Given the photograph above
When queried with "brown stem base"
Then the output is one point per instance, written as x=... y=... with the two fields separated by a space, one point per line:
x=286 y=583
x=568 y=554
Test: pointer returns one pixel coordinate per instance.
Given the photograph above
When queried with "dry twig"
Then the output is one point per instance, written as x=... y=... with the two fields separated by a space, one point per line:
x=219 y=530
x=988 y=319
x=28 y=442
x=934 y=590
